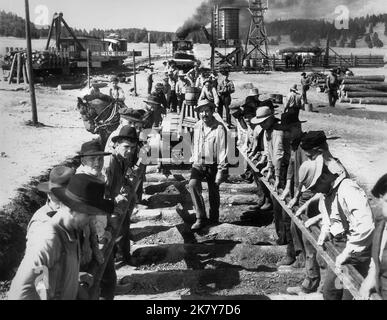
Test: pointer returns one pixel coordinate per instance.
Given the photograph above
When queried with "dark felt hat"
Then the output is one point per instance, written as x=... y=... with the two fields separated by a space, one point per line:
x=313 y=139
x=85 y=194
x=288 y=120
x=153 y=100
x=127 y=132
x=131 y=114
x=204 y=103
x=92 y=148
x=59 y=177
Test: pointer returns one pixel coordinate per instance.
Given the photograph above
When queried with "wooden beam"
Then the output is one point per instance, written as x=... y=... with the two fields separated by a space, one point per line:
x=12 y=69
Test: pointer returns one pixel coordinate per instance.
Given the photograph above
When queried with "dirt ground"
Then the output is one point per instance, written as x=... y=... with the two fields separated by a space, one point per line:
x=27 y=152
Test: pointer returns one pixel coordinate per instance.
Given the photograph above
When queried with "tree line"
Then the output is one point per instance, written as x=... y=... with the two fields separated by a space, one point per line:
x=303 y=32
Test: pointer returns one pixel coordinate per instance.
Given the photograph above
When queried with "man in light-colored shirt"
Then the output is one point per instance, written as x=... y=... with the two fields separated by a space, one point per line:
x=209 y=161
x=293 y=100
x=347 y=222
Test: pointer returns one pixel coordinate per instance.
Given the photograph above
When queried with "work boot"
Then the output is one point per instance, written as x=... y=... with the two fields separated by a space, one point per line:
x=199 y=224
x=286 y=261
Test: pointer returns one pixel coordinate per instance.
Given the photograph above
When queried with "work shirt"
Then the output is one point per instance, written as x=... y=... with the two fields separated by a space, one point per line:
x=41 y=216
x=55 y=251
x=297 y=158
x=114 y=171
x=293 y=101
x=209 y=145
x=226 y=88
x=117 y=93
x=349 y=212
x=210 y=95
x=274 y=145
x=200 y=82
x=181 y=87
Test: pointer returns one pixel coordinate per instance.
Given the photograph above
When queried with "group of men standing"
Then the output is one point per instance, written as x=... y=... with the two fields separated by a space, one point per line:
x=300 y=164
x=69 y=237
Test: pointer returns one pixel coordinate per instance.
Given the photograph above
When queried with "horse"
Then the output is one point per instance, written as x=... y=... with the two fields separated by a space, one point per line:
x=100 y=115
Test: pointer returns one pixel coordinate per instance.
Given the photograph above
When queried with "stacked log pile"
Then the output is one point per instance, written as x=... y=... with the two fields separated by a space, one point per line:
x=47 y=59
x=364 y=90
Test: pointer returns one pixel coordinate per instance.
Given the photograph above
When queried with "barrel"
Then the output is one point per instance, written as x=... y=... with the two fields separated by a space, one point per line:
x=192 y=95
x=246 y=63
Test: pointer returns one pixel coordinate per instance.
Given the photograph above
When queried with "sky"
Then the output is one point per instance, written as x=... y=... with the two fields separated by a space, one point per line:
x=162 y=15
x=169 y=15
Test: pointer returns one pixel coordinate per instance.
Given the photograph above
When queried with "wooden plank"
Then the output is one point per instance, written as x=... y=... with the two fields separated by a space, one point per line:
x=12 y=69
x=349 y=276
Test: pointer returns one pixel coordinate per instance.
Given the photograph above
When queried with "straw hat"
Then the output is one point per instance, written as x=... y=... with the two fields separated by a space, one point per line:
x=310 y=171
x=59 y=177
x=204 y=103
x=262 y=114
x=254 y=92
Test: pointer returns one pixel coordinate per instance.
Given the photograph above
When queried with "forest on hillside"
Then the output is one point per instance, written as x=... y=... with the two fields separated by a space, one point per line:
x=301 y=31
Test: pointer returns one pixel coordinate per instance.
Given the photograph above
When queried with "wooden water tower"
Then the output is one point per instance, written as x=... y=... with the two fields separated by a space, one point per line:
x=227 y=46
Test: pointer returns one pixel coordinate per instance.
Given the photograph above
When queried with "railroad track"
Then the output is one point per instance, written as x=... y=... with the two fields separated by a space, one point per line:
x=233 y=260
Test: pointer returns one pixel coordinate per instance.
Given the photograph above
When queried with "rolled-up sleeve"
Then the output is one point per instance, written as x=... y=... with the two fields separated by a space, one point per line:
x=354 y=202
x=222 y=148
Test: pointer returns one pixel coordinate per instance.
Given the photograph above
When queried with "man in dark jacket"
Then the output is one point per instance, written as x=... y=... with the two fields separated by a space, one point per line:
x=333 y=86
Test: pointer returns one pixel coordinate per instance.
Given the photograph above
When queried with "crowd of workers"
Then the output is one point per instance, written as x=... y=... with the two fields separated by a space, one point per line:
x=67 y=238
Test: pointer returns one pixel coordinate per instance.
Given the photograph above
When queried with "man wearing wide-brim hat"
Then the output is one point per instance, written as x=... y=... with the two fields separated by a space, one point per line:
x=277 y=160
x=59 y=177
x=347 y=222
x=129 y=117
x=154 y=105
x=123 y=158
x=209 y=162
x=209 y=92
x=50 y=267
x=293 y=100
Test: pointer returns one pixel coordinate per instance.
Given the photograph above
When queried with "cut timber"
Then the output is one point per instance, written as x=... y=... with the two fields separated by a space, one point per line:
x=354 y=101
x=378 y=78
x=378 y=101
x=365 y=94
x=69 y=86
x=354 y=81
x=361 y=87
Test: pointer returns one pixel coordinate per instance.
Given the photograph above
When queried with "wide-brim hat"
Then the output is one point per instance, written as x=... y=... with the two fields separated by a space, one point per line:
x=262 y=114
x=92 y=148
x=294 y=88
x=310 y=171
x=153 y=100
x=133 y=115
x=303 y=74
x=181 y=73
x=85 y=194
x=114 y=79
x=59 y=177
x=128 y=133
x=313 y=139
x=207 y=80
x=204 y=103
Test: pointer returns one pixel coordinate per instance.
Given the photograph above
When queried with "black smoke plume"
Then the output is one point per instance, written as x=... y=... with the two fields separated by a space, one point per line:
x=202 y=16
